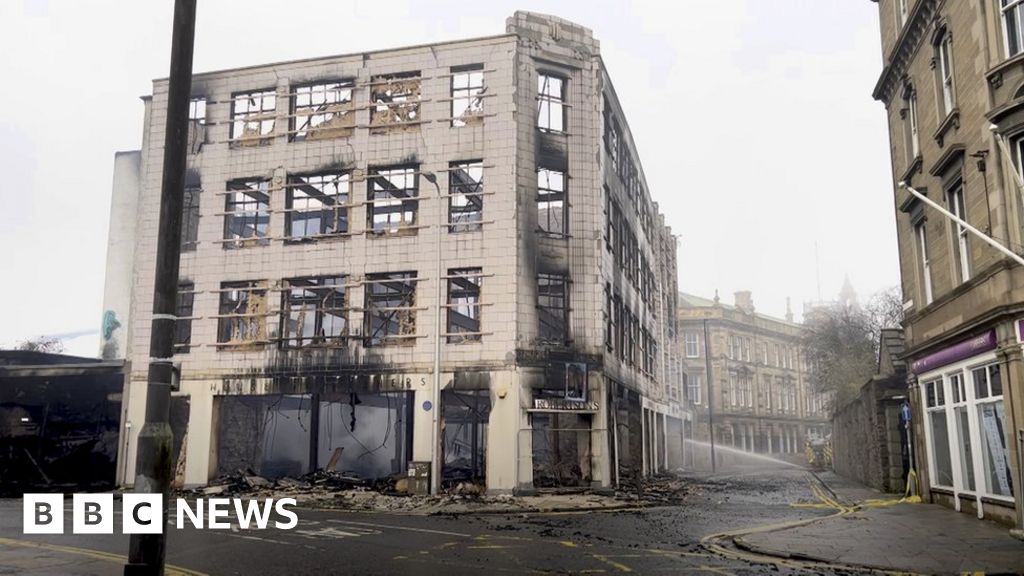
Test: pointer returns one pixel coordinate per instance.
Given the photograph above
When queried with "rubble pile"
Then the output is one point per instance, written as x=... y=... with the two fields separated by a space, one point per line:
x=660 y=490
x=345 y=490
x=348 y=491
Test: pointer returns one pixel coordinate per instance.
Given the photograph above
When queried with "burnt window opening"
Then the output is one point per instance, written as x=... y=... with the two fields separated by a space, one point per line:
x=553 y=308
x=609 y=318
x=253 y=115
x=550 y=103
x=467 y=95
x=314 y=312
x=628 y=252
x=392 y=199
x=183 y=310
x=247 y=213
x=617 y=319
x=317 y=205
x=242 y=317
x=197 y=110
x=322 y=111
x=643 y=278
x=390 y=314
x=190 y=218
x=551 y=205
x=396 y=101
x=464 y=305
x=196 y=124
x=612 y=142
x=648 y=352
x=465 y=196
x=634 y=333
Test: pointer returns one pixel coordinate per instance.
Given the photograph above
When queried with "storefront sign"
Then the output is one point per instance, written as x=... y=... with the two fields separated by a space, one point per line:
x=955 y=353
x=563 y=404
x=1020 y=331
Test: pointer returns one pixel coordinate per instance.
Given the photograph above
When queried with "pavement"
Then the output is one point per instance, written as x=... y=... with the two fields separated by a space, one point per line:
x=874 y=530
x=778 y=521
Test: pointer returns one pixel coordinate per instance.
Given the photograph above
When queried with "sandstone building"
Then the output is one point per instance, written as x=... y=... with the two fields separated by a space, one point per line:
x=758 y=397
x=953 y=89
x=321 y=194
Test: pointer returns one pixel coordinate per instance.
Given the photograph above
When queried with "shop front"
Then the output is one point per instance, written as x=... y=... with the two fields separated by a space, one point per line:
x=967 y=434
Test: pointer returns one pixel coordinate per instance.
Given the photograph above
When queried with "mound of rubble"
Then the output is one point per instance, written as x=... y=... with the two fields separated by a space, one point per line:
x=347 y=491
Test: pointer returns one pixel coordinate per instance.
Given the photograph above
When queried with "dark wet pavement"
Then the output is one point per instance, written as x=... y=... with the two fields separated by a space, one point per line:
x=645 y=541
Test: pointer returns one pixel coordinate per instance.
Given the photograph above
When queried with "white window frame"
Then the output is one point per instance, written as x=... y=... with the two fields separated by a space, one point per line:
x=1016 y=7
x=694 y=388
x=945 y=70
x=943 y=374
x=921 y=238
x=691 y=339
x=915 y=132
x=955 y=197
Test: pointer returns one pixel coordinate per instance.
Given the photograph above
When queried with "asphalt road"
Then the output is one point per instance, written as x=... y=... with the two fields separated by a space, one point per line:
x=647 y=541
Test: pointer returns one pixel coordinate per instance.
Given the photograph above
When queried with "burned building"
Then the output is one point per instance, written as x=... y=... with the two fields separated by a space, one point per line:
x=59 y=418
x=350 y=220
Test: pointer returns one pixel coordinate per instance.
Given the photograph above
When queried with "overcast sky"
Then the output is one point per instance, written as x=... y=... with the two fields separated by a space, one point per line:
x=753 y=119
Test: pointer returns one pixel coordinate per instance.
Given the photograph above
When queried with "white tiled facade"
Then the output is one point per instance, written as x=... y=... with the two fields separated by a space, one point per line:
x=507 y=249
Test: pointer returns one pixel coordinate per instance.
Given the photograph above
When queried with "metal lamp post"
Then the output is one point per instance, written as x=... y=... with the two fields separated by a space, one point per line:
x=435 y=396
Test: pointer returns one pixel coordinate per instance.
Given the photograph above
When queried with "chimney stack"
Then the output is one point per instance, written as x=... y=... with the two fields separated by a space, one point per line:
x=744 y=301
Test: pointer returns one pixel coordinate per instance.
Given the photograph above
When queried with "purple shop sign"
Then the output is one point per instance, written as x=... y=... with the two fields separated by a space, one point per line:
x=1020 y=331
x=956 y=352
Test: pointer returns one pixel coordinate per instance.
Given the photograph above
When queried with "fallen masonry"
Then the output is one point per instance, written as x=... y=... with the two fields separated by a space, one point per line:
x=347 y=491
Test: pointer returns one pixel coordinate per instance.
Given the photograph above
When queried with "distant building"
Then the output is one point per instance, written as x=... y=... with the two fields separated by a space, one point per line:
x=953 y=89
x=758 y=391
x=321 y=194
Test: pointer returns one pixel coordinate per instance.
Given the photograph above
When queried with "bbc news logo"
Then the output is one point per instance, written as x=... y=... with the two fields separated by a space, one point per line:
x=143 y=513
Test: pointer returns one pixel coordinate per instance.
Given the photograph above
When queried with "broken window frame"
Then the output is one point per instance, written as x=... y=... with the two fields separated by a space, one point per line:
x=552 y=197
x=190 y=218
x=464 y=305
x=196 y=124
x=467 y=89
x=197 y=110
x=388 y=196
x=247 y=208
x=321 y=110
x=253 y=116
x=332 y=190
x=553 y=308
x=183 y=309
x=395 y=100
x=465 y=196
x=389 y=313
x=551 y=91
x=613 y=142
x=320 y=299
x=609 y=318
x=242 y=312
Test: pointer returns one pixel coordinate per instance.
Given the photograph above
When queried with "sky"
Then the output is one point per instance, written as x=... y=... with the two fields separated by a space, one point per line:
x=753 y=120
